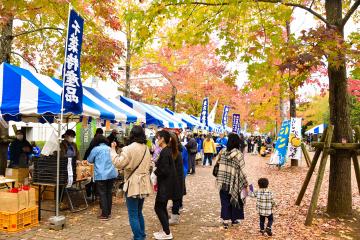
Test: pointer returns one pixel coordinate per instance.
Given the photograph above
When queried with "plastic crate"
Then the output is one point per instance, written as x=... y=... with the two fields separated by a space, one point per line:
x=15 y=222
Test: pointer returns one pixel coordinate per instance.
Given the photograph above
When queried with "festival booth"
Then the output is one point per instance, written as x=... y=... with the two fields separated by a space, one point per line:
x=319 y=129
x=32 y=97
x=190 y=122
x=154 y=115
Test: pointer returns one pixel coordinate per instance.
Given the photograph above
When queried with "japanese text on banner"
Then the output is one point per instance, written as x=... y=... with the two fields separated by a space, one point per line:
x=236 y=123
x=204 y=112
x=72 y=81
x=225 y=116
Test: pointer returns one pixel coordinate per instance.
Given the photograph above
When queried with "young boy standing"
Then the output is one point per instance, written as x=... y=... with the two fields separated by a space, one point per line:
x=264 y=205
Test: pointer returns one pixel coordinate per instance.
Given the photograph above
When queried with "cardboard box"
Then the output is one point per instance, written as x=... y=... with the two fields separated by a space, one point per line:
x=18 y=174
x=13 y=202
x=84 y=171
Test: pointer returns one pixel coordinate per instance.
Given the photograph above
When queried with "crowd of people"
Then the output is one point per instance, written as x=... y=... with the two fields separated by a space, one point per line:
x=162 y=167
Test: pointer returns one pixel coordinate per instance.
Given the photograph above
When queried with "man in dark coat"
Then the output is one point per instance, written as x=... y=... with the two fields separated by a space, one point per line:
x=191 y=147
x=19 y=150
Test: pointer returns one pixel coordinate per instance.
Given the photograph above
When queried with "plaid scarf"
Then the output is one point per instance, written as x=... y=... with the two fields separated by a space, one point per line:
x=231 y=176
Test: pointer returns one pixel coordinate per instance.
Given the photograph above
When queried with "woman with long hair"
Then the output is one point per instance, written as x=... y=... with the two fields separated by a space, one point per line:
x=135 y=159
x=167 y=182
x=231 y=181
x=176 y=148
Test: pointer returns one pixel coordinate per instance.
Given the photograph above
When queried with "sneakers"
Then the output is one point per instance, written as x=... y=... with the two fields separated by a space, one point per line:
x=103 y=218
x=268 y=231
x=226 y=225
x=235 y=223
x=262 y=232
x=174 y=220
x=162 y=235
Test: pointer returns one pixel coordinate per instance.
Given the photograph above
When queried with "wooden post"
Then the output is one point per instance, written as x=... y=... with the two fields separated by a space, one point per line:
x=310 y=171
x=319 y=179
x=355 y=159
x=357 y=170
x=306 y=154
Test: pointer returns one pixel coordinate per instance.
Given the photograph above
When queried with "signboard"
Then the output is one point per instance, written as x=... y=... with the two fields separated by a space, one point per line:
x=225 y=116
x=72 y=86
x=236 y=123
x=204 y=112
x=294 y=146
x=279 y=155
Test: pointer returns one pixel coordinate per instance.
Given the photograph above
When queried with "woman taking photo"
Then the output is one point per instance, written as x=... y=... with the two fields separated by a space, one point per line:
x=231 y=181
x=167 y=181
x=135 y=159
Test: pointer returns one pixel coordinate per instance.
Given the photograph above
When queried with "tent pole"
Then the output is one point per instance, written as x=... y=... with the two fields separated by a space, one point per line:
x=58 y=168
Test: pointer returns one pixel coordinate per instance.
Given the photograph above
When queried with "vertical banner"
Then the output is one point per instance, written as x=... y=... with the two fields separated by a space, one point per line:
x=212 y=114
x=236 y=123
x=294 y=148
x=225 y=116
x=279 y=155
x=204 y=112
x=72 y=86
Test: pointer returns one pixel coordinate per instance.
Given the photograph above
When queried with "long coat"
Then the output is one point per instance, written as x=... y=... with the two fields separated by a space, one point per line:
x=168 y=185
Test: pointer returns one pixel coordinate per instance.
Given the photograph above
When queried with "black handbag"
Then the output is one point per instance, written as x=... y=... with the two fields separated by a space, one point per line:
x=216 y=169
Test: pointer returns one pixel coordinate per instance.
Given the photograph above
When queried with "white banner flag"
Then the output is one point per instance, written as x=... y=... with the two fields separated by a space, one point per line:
x=294 y=146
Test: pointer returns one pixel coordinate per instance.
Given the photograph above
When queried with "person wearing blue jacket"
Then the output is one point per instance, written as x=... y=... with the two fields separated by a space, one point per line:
x=221 y=142
x=104 y=174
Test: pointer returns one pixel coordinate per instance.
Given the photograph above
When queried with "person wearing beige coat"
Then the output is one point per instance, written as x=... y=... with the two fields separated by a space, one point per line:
x=135 y=159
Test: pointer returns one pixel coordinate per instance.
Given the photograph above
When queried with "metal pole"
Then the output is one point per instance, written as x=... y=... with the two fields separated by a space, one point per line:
x=60 y=126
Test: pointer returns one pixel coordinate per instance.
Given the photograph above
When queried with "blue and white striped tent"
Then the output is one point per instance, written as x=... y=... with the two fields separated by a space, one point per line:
x=154 y=115
x=191 y=122
x=319 y=129
x=213 y=127
x=25 y=94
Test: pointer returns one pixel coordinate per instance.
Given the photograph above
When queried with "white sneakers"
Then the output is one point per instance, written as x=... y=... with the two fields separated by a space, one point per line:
x=174 y=219
x=162 y=235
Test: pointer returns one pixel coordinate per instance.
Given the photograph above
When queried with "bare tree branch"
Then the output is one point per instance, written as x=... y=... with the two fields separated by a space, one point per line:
x=350 y=12
x=18 y=54
x=37 y=30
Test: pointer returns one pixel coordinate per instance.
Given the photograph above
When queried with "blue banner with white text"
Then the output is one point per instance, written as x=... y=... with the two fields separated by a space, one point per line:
x=225 y=116
x=236 y=123
x=205 y=112
x=72 y=86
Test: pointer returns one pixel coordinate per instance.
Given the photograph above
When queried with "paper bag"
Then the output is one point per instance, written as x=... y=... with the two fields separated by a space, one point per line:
x=31 y=198
x=9 y=202
x=23 y=200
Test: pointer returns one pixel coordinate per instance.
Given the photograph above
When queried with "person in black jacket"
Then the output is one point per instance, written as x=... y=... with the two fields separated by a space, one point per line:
x=20 y=150
x=167 y=182
x=192 y=149
x=176 y=148
x=98 y=132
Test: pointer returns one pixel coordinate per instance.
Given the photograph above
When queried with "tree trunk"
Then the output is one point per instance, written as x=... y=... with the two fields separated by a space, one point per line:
x=292 y=100
x=173 y=98
x=340 y=197
x=5 y=55
x=6 y=41
x=128 y=65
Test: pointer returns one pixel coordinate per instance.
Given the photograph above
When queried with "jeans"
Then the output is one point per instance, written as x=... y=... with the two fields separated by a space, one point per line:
x=262 y=221
x=104 y=188
x=228 y=211
x=192 y=162
x=162 y=213
x=208 y=156
x=136 y=218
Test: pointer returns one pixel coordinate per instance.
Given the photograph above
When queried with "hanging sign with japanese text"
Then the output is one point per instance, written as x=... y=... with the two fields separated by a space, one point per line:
x=225 y=116
x=204 y=112
x=236 y=123
x=294 y=148
x=72 y=86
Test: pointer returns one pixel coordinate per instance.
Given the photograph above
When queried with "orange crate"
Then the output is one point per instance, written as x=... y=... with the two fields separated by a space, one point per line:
x=15 y=222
